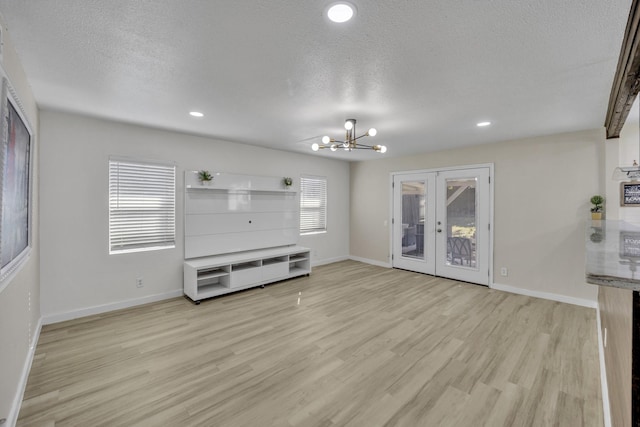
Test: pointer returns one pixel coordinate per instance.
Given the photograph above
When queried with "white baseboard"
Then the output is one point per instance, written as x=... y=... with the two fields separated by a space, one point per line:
x=370 y=261
x=328 y=261
x=546 y=295
x=606 y=409
x=24 y=376
x=98 y=309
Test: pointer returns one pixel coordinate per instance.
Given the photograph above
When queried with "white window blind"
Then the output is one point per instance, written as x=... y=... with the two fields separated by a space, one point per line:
x=313 y=204
x=142 y=206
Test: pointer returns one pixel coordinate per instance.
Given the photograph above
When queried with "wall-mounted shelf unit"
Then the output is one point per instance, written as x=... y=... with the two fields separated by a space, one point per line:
x=240 y=232
x=239 y=190
x=236 y=182
x=237 y=213
x=221 y=274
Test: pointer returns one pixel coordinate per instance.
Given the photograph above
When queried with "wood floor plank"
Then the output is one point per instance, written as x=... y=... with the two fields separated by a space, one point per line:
x=351 y=345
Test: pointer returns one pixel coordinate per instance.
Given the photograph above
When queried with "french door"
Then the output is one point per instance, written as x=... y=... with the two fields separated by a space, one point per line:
x=414 y=243
x=441 y=223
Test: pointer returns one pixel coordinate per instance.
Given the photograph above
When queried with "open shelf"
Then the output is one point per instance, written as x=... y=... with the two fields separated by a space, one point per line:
x=245 y=265
x=214 y=287
x=295 y=271
x=277 y=260
x=239 y=190
x=202 y=276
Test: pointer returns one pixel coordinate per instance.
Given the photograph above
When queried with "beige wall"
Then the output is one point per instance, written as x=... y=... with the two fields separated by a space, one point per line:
x=542 y=191
x=20 y=300
x=78 y=274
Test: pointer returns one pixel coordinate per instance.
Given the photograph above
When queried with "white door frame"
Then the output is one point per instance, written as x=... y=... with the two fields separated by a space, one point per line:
x=443 y=169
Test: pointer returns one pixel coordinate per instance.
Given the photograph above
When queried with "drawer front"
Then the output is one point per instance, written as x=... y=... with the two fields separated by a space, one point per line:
x=245 y=277
x=275 y=271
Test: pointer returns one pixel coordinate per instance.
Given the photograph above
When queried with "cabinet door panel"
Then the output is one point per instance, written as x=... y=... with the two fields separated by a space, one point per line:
x=245 y=277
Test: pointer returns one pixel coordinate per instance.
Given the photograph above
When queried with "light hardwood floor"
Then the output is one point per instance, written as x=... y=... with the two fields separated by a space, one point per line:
x=351 y=345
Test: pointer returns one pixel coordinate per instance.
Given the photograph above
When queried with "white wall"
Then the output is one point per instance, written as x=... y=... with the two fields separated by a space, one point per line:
x=611 y=187
x=542 y=191
x=20 y=300
x=78 y=274
x=621 y=152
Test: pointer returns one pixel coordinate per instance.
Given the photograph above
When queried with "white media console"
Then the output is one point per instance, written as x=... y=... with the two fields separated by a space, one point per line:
x=217 y=275
x=240 y=232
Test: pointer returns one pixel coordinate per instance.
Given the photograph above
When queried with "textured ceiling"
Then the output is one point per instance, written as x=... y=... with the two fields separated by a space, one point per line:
x=277 y=73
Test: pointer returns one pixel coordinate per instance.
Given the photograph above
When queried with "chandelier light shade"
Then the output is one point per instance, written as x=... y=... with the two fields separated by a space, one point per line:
x=351 y=140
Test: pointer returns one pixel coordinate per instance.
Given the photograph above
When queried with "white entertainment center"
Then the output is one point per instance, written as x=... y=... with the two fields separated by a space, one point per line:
x=240 y=232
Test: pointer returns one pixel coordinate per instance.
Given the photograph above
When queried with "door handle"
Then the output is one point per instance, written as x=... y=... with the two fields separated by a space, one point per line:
x=439 y=230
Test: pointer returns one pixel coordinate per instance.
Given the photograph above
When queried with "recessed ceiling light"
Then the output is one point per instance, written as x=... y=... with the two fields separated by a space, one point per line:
x=483 y=124
x=196 y=114
x=341 y=12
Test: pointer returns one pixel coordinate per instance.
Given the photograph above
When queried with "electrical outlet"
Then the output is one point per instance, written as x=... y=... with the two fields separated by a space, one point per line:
x=139 y=282
x=504 y=271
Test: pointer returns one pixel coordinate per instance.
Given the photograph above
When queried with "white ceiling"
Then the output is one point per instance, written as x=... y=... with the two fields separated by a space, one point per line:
x=277 y=73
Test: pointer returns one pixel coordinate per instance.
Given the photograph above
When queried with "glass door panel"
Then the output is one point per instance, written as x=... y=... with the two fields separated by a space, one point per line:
x=413 y=206
x=461 y=222
x=413 y=218
x=462 y=238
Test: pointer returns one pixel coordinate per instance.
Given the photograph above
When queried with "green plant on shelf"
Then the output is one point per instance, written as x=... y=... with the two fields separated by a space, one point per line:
x=288 y=182
x=597 y=202
x=205 y=176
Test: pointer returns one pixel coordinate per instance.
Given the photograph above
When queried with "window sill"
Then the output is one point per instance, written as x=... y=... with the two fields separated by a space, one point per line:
x=128 y=251
x=308 y=233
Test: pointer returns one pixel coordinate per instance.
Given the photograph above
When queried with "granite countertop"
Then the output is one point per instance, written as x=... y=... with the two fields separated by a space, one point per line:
x=613 y=254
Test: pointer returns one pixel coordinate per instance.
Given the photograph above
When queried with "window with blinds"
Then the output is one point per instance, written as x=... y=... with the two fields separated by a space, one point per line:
x=142 y=206
x=313 y=204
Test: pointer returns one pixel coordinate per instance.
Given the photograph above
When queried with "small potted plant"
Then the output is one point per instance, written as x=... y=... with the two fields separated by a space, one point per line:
x=596 y=210
x=288 y=182
x=205 y=177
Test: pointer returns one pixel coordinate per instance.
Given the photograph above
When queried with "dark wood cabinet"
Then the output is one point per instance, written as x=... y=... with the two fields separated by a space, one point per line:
x=613 y=258
x=620 y=323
